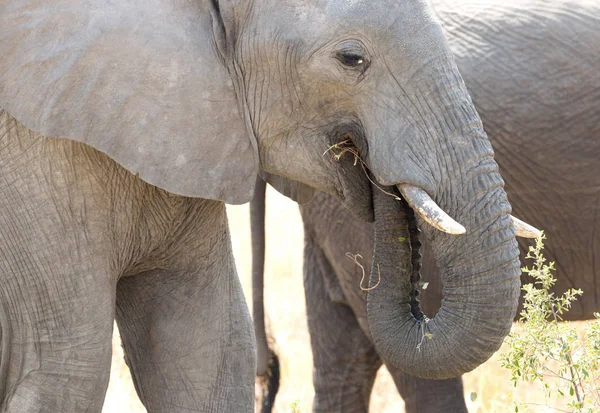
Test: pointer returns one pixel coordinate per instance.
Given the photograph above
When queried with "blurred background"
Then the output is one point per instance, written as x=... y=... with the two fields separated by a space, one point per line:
x=284 y=300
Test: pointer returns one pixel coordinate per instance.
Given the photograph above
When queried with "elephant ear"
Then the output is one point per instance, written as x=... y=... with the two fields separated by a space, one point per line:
x=143 y=81
x=297 y=191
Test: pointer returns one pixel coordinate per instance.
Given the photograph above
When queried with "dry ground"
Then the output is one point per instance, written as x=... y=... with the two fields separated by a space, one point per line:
x=285 y=305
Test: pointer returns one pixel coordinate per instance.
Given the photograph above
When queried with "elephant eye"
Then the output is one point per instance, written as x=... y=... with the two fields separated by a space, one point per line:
x=350 y=59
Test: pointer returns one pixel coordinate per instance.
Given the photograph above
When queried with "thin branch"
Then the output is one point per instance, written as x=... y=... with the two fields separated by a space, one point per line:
x=354 y=258
x=547 y=405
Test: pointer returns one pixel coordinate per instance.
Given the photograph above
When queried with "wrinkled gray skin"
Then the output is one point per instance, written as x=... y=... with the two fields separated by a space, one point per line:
x=125 y=125
x=533 y=69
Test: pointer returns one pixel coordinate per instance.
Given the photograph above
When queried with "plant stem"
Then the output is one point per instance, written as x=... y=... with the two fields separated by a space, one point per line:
x=571 y=371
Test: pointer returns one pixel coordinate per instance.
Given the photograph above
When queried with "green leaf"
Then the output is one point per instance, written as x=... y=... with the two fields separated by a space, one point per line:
x=473 y=396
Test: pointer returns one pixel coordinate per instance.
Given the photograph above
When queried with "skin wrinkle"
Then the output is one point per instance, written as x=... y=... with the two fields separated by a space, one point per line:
x=264 y=91
x=31 y=223
x=279 y=70
x=454 y=247
x=288 y=79
x=209 y=322
x=348 y=373
x=255 y=97
x=437 y=123
x=5 y=334
x=451 y=151
x=427 y=132
x=423 y=126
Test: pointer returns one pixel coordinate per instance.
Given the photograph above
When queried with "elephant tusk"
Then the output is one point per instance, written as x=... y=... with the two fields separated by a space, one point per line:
x=427 y=209
x=435 y=216
x=525 y=230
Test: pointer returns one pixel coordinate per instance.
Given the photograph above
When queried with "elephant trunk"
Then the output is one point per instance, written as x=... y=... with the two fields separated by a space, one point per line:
x=480 y=274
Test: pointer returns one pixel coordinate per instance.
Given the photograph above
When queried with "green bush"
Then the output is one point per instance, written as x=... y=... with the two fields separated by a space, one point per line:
x=541 y=349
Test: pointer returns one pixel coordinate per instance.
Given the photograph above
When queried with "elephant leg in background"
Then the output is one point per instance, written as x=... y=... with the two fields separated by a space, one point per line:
x=188 y=340
x=345 y=361
x=429 y=396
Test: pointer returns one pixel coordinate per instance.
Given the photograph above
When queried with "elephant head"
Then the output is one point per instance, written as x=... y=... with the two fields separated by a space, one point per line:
x=194 y=96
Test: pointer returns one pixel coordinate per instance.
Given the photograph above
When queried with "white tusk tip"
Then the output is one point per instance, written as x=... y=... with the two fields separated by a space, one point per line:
x=429 y=211
x=455 y=229
x=524 y=230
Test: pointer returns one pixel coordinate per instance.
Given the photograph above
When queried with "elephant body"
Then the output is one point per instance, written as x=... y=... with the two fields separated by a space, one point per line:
x=533 y=71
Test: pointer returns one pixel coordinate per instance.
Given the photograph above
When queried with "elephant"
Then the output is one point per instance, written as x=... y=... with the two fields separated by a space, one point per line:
x=533 y=71
x=126 y=126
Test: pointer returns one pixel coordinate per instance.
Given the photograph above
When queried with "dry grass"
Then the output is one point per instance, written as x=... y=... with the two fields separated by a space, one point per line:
x=285 y=303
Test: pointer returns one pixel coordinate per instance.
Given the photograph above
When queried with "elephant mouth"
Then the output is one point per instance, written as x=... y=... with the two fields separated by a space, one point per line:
x=354 y=184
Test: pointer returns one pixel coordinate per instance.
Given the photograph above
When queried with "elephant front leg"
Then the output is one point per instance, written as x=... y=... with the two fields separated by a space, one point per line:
x=56 y=328
x=429 y=396
x=345 y=361
x=188 y=340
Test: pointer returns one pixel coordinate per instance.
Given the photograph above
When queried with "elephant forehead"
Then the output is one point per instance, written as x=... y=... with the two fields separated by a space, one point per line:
x=319 y=17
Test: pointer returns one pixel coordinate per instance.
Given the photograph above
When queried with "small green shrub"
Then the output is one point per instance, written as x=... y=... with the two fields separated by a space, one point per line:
x=543 y=350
